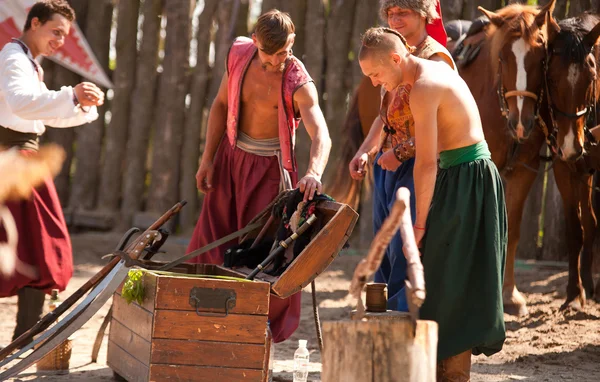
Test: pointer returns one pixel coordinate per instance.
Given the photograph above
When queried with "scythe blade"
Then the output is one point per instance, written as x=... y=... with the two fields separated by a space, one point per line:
x=71 y=323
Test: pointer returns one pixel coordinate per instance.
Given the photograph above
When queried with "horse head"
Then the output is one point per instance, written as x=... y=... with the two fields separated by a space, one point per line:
x=519 y=51
x=572 y=82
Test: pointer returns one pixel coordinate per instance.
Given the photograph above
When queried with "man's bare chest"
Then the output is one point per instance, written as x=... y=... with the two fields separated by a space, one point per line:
x=261 y=90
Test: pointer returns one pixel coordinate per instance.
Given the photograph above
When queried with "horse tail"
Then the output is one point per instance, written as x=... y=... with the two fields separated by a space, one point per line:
x=342 y=187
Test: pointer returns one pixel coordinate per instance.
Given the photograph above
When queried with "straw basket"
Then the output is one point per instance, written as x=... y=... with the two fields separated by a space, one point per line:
x=57 y=359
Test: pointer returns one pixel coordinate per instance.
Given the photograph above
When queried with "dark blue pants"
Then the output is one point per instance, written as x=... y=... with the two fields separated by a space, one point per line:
x=393 y=266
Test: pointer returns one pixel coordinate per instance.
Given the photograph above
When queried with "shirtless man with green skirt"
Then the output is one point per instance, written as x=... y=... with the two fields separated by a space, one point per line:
x=461 y=223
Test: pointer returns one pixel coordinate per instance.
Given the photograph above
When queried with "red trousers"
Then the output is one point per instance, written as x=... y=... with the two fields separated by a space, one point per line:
x=244 y=184
x=43 y=243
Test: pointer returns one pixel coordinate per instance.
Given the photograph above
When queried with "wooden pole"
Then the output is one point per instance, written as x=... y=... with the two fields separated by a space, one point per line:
x=382 y=351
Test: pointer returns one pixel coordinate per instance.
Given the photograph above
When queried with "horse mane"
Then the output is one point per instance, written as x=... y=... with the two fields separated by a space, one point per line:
x=569 y=41
x=519 y=21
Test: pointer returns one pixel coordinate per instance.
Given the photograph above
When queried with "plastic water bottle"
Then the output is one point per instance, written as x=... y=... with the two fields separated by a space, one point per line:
x=301 y=362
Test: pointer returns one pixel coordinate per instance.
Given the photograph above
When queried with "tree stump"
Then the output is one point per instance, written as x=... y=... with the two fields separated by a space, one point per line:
x=380 y=351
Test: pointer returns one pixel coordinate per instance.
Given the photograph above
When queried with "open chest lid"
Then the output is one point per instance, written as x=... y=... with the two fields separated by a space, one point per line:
x=334 y=225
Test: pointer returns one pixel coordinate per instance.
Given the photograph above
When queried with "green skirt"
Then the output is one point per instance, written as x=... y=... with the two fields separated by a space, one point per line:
x=464 y=251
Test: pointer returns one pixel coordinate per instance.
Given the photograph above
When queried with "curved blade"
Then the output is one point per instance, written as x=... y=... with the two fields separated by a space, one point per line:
x=72 y=322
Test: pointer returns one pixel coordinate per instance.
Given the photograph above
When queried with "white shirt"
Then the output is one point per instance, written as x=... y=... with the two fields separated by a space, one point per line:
x=26 y=104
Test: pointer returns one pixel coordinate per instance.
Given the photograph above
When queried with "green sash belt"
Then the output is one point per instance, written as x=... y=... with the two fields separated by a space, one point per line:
x=465 y=154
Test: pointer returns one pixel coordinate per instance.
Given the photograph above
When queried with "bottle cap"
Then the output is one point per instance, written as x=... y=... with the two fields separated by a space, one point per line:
x=302 y=343
x=54 y=293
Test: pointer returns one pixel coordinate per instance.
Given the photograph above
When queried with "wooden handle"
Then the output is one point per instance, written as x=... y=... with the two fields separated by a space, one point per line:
x=49 y=318
x=367 y=267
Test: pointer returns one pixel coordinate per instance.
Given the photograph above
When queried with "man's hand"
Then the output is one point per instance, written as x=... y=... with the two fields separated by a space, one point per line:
x=358 y=166
x=309 y=185
x=88 y=94
x=204 y=177
x=388 y=161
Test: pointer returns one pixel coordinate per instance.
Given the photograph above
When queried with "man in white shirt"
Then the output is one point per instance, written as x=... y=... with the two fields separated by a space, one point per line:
x=26 y=107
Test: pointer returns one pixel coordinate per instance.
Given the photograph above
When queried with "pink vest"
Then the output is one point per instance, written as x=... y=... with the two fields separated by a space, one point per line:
x=294 y=76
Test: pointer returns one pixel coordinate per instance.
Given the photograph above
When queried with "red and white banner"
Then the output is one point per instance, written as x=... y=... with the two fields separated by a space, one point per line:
x=75 y=54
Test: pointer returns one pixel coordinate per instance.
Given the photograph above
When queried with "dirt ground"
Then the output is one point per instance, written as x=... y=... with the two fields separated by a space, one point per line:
x=548 y=345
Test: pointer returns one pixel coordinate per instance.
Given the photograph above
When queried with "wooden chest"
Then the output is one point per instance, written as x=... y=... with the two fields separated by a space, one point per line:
x=192 y=328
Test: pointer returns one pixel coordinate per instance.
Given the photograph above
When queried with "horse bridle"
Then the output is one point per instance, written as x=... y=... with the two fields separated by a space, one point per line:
x=587 y=112
x=503 y=95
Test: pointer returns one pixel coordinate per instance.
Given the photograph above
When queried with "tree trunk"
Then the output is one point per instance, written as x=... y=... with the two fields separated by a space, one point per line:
x=116 y=132
x=195 y=118
x=577 y=7
x=168 y=134
x=267 y=5
x=339 y=35
x=142 y=113
x=452 y=9
x=366 y=17
x=560 y=9
x=314 y=47
x=241 y=25
x=382 y=351
x=530 y=223
x=470 y=11
x=86 y=179
x=66 y=137
x=554 y=243
x=297 y=10
x=223 y=42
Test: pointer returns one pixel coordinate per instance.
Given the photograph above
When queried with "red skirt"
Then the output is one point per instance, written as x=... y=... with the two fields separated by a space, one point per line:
x=244 y=184
x=44 y=242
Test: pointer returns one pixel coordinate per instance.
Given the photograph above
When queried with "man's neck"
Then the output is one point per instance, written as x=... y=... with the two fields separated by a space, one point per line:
x=410 y=71
x=417 y=38
x=28 y=41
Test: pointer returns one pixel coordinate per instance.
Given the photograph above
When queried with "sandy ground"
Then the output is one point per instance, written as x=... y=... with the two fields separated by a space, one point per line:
x=548 y=345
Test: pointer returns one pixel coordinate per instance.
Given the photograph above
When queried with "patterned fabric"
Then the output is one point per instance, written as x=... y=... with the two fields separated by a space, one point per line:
x=395 y=109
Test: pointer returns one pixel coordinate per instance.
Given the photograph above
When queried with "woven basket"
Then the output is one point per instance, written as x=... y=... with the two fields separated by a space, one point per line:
x=57 y=359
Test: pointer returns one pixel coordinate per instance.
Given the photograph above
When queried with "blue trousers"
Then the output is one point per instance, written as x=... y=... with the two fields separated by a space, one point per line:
x=393 y=267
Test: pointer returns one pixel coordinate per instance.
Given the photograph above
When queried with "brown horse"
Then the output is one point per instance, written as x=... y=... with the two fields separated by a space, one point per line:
x=512 y=54
x=573 y=91
x=514 y=30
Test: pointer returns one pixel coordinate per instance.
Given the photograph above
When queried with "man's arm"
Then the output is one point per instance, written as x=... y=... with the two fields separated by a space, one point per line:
x=15 y=83
x=217 y=123
x=307 y=101
x=425 y=99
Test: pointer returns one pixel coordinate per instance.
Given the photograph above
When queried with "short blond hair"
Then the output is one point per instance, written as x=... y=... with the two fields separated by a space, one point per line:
x=380 y=40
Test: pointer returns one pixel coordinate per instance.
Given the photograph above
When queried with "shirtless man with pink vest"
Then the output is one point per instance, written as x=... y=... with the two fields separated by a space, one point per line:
x=249 y=154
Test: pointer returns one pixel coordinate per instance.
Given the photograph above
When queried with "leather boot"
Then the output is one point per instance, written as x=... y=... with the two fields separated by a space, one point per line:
x=30 y=308
x=455 y=369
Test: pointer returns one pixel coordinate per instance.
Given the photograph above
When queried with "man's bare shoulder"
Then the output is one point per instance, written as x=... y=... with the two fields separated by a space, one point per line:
x=306 y=93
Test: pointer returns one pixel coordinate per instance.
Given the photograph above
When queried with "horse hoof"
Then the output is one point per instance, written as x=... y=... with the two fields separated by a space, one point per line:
x=572 y=305
x=518 y=310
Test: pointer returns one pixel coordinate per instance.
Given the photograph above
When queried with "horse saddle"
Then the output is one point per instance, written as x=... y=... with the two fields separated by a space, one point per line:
x=469 y=44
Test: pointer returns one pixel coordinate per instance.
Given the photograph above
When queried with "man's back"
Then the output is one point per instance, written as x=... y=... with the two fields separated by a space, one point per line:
x=458 y=120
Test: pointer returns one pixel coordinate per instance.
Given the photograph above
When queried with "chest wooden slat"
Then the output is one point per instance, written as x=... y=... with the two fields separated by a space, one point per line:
x=168 y=336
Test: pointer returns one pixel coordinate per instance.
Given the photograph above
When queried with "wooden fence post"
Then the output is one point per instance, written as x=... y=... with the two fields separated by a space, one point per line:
x=117 y=130
x=194 y=123
x=84 y=187
x=142 y=113
x=168 y=133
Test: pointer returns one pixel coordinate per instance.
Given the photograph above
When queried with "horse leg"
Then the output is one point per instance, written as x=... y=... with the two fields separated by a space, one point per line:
x=518 y=184
x=589 y=224
x=567 y=183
